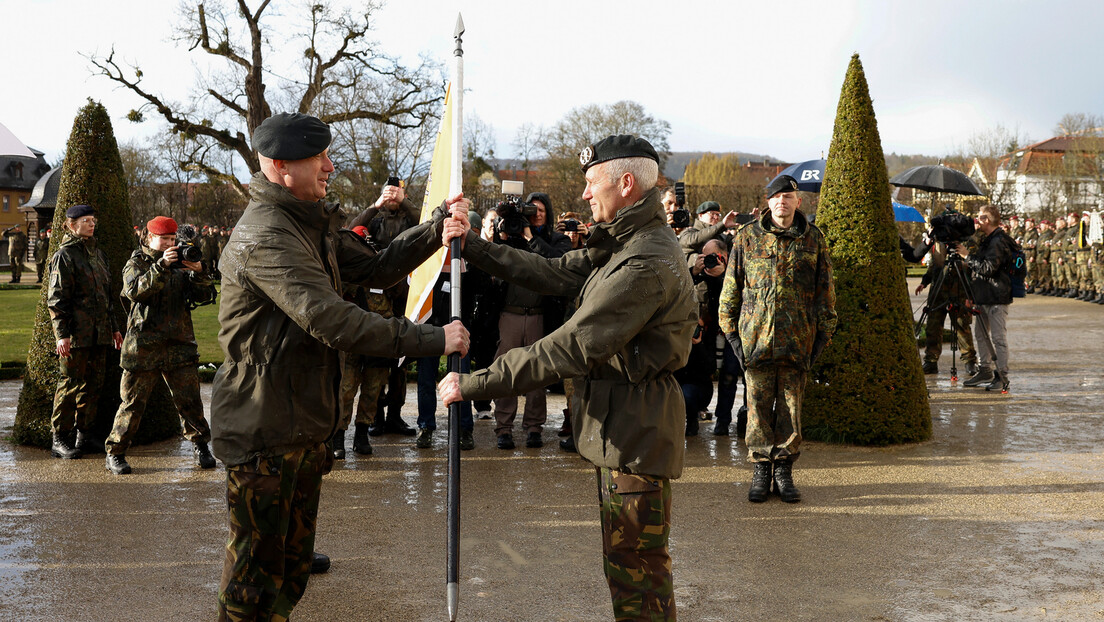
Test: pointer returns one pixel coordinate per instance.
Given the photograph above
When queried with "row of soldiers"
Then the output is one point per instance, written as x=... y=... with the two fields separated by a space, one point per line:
x=1064 y=258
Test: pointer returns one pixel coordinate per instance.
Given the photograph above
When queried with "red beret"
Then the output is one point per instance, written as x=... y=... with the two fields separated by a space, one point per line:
x=361 y=231
x=162 y=225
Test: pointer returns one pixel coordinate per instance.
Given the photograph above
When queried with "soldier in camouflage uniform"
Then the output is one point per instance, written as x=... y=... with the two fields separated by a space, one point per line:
x=1044 y=281
x=1098 y=268
x=41 y=252
x=1029 y=242
x=283 y=327
x=1057 y=259
x=778 y=310
x=386 y=219
x=160 y=342
x=17 y=250
x=1084 y=260
x=1069 y=256
x=366 y=374
x=632 y=330
x=82 y=313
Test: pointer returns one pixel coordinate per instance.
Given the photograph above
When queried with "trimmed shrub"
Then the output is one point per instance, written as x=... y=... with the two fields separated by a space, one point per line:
x=92 y=175
x=868 y=386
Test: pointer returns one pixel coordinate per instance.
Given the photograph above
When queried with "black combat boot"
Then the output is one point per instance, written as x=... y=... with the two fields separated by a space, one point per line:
x=361 y=444
x=88 y=445
x=337 y=445
x=320 y=563
x=931 y=367
x=425 y=439
x=720 y=426
x=760 y=483
x=568 y=444
x=971 y=368
x=691 y=424
x=783 y=482
x=117 y=464
x=534 y=441
x=467 y=440
x=565 y=429
x=60 y=448
x=396 y=425
x=203 y=455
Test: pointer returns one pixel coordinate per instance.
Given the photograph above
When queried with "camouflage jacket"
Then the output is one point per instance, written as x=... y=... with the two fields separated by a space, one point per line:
x=78 y=296
x=284 y=323
x=42 y=249
x=778 y=292
x=159 y=326
x=17 y=243
x=632 y=330
x=1043 y=246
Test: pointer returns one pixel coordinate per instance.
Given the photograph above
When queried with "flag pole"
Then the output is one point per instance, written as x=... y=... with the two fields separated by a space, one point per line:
x=455 y=187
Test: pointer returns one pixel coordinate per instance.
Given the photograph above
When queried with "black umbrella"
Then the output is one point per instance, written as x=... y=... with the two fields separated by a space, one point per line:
x=936 y=178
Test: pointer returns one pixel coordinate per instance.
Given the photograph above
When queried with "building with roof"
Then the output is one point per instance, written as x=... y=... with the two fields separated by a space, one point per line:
x=1051 y=177
x=18 y=176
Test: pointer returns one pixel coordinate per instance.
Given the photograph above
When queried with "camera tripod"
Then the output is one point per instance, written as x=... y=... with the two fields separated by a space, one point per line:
x=954 y=305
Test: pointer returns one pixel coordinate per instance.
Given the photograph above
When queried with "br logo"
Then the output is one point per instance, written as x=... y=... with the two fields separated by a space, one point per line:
x=810 y=175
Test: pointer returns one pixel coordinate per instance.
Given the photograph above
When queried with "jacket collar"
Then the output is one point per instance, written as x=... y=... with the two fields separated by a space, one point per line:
x=68 y=239
x=606 y=238
x=797 y=230
x=316 y=214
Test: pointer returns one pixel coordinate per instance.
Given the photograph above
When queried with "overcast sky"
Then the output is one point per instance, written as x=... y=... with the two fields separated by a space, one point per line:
x=728 y=76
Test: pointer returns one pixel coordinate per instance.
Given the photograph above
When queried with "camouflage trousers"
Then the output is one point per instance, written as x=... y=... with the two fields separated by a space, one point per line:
x=273 y=506
x=370 y=381
x=78 y=389
x=16 y=268
x=636 y=524
x=135 y=389
x=1098 y=277
x=960 y=325
x=40 y=266
x=774 y=413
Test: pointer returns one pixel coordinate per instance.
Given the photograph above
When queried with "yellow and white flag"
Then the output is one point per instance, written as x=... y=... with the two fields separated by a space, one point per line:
x=419 y=303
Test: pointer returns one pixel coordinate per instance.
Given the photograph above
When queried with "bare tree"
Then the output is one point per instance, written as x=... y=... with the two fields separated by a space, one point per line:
x=343 y=78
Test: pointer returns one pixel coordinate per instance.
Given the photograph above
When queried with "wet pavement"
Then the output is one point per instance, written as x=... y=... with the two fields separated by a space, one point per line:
x=999 y=517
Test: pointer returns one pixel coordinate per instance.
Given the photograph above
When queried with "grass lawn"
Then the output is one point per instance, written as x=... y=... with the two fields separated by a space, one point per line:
x=17 y=308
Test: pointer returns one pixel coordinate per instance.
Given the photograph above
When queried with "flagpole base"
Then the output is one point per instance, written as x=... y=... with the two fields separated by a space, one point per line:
x=453 y=596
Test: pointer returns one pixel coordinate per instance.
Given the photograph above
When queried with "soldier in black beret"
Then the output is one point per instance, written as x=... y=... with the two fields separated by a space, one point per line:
x=636 y=304
x=275 y=399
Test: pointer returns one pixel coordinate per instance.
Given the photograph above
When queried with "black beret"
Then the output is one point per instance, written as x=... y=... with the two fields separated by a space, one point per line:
x=709 y=206
x=540 y=196
x=291 y=136
x=782 y=183
x=614 y=147
x=77 y=211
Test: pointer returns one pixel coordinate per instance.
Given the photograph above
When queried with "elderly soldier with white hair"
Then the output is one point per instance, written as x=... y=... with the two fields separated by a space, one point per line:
x=632 y=330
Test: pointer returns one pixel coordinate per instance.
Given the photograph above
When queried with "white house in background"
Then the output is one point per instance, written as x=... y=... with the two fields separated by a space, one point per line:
x=1052 y=177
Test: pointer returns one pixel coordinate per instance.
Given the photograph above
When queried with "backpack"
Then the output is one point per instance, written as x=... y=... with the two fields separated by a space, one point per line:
x=1017 y=270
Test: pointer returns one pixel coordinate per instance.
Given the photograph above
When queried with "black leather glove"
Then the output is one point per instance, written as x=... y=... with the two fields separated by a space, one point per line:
x=737 y=347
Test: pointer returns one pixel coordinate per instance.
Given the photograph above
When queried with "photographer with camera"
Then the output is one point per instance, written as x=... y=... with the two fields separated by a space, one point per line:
x=391 y=214
x=163 y=284
x=992 y=289
x=708 y=226
x=949 y=294
x=524 y=225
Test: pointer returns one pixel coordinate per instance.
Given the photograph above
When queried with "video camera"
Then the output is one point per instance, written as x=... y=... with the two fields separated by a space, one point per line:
x=513 y=212
x=680 y=194
x=952 y=227
x=187 y=246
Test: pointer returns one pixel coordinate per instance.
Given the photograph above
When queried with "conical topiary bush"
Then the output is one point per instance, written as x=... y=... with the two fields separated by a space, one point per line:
x=868 y=386
x=92 y=175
